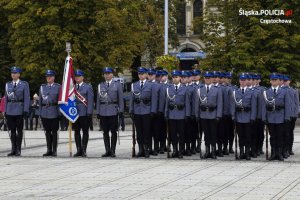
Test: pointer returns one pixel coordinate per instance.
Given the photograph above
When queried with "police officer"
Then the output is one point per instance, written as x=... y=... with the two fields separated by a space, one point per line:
x=110 y=104
x=294 y=115
x=161 y=110
x=244 y=112
x=153 y=77
x=142 y=106
x=17 y=106
x=208 y=109
x=49 y=113
x=197 y=129
x=276 y=113
x=177 y=111
x=85 y=104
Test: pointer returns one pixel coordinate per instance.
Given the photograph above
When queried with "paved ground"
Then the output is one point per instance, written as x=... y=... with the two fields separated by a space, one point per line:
x=34 y=177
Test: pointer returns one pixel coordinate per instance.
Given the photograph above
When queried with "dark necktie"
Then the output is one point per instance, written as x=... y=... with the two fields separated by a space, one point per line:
x=15 y=85
x=107 y=84
x=207 y=89
x=176 y=88
x=274 y=91
x=77 y=86
x=243 y=91
x=142 y=84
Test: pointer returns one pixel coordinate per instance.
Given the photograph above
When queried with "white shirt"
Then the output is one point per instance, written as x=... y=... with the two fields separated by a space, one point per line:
x=275 y=88
x=142 y=82
x=17 y=82
x=178 y=85
x=107 y=82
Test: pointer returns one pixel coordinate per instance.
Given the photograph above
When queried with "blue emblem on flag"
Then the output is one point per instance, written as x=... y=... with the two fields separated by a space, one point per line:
x=69 y=110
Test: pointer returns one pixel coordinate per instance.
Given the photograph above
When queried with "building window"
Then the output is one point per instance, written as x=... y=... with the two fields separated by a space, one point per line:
x=180 y=18
x=198 y=11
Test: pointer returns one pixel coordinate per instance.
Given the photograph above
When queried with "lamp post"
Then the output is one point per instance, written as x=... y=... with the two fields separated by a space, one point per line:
x=166 y=26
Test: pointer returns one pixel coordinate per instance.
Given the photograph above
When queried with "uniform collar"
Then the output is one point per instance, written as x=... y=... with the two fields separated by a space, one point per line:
x=50 y=85
x=80 y=84
x=275 y=88
x=209 y=86
x=17 y=82
x=178 y=85
x=108 y=82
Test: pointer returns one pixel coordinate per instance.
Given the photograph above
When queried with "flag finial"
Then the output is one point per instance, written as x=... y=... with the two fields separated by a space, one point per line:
x=68 y=47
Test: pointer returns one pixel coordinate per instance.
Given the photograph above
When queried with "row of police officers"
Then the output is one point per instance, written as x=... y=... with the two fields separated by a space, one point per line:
x=167 y=113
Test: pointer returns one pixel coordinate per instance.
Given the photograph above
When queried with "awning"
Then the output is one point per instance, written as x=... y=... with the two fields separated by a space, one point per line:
x=189 y=55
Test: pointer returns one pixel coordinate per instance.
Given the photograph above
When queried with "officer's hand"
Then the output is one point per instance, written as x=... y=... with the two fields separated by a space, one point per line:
x=25 y=114
x=98 y=116
x=121 y=115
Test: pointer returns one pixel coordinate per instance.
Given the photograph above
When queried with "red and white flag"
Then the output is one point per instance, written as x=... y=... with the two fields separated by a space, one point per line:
x=67 y=99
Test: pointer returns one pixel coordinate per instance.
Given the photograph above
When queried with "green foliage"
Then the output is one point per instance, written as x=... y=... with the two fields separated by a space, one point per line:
x=102 y=33
x=244 y=43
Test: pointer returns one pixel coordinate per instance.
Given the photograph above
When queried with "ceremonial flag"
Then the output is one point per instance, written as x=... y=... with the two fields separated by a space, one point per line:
x=67 y=99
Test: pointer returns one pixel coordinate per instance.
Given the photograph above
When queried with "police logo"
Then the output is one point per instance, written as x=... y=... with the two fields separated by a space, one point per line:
x=73 y=111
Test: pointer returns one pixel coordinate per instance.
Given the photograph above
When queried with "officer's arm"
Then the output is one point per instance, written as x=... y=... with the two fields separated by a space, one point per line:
x=196 y=103
x=5 y=99
x=26 y=98
x=263 y=111
x=192 y=98
x=187 y=103
x=166 y=106
x=154 y=98
x=287 y=106
x=219 y=104
x=40 y=100
x=162 y=99
x=120 y=97
x=296 y=102
x=232 y=107
x=90 y=102
x=131 y=101
x=254 y=108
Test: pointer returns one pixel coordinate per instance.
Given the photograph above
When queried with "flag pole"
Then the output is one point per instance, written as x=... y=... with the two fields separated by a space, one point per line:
x=166 y=27
x=68 y=50
x=70 y=138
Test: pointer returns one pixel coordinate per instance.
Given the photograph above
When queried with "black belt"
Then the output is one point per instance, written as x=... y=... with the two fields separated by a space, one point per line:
x=49 y=104
x=176 y=106
x=277 y=108
x=243 y=109
x=111 y=102
x=145 y=101
x=208 y=108
x=15 y=101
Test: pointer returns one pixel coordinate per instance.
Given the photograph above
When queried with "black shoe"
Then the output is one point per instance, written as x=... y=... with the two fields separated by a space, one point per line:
x=261 y=152
x=54 y=154
x=231 y=150
x=213 y=152
x=147 y=153
x=78 y=154
x=83 y=154
x=175 y=151
x=48 y=153
x=18 y=153
x=220 y=153
x=258 y=152
x=106 y=154
x=273 y=155
x=291 y=152
x=12 y=153
x=225 y=151
x=161 y=150
x=247 y=153
x=279 y=155
x=207 y=152
x=253 y=155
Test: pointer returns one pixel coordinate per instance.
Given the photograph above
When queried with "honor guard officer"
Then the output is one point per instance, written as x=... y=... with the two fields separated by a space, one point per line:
x=208 y=109
x=276 y=113
x=154 y=118
x=49 y=113
x=244 y=112
x=197 y=136
x=110 y=104
x=177 y=111
x=161 y=110
x=85 y=104
x=17 y=106
x=295 y=103
x=143 y=105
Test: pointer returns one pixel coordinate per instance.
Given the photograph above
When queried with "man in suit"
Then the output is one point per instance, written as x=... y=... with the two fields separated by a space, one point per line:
x=48 y=97
x=85 y=106
x=17 y=104
x=177 y=112
x=208 y=109
x=110 y=104
x=142 y=106
x=244 y=112
x=276 y=113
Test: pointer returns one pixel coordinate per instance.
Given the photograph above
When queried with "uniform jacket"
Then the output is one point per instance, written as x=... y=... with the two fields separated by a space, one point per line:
x=17 y=98
x=110 y=99
x=86 y=91
x=48 y=97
